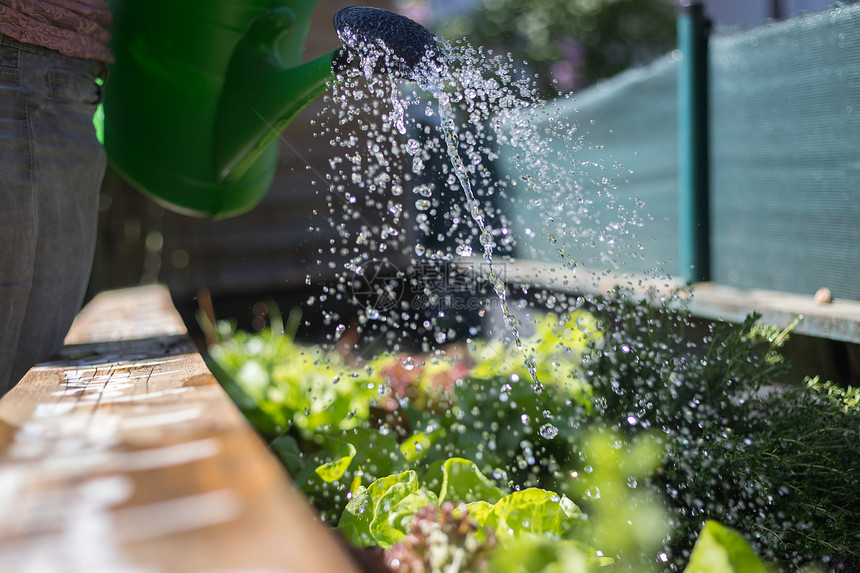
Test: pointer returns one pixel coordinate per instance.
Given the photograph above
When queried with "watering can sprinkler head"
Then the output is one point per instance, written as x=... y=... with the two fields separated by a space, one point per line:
x=389 y=43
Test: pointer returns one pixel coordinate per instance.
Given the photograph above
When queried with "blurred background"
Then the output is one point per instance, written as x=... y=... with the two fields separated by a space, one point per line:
x=286 y=250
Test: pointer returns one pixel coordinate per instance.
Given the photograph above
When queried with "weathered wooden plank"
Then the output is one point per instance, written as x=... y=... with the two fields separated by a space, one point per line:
x=124 y=455
x=837 y=320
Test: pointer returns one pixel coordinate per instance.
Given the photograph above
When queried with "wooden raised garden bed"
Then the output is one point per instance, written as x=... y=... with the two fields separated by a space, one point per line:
x=123 y=454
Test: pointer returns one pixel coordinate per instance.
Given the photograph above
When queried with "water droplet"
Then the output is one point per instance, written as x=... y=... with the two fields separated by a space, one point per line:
x=412 y=146
x=548 y=431
x=464 y=250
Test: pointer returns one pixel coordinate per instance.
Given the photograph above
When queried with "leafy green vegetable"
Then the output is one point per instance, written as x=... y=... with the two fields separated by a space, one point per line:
x=282 y=385
x=287 y=449
x=721 y=549
x=530 y=554
x=638 y=426
x=557 y=347
x=538 y=512
x=459 y=481
x=344 y=455
x=379 y=514
x=369 y=517
x=345 y=462
x=417 y=445
x=628 y=519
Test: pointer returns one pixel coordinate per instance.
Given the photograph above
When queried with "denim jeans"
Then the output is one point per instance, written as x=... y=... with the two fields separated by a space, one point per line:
x=51 y=168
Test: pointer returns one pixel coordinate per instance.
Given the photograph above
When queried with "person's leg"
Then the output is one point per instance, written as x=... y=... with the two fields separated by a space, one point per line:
x=17 y=213
x=52 y=170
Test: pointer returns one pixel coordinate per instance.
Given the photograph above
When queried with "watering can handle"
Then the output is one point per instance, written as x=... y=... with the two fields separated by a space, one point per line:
x=261 y=95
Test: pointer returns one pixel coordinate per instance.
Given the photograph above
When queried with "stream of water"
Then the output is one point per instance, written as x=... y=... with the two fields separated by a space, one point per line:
x=449 y=129
x=390 y=136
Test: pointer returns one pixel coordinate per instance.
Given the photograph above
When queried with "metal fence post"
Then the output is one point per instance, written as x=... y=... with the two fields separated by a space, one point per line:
x=693 y=172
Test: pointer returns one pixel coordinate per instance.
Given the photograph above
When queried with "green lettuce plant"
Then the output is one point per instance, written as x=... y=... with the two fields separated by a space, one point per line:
x=281 y=385
x=673 y=450
x=380 y=514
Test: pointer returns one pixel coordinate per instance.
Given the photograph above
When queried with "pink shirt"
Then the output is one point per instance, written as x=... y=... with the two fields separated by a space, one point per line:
x=76 y=28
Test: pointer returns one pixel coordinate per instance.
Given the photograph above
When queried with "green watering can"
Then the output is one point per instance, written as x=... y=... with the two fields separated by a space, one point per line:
x=201 y=89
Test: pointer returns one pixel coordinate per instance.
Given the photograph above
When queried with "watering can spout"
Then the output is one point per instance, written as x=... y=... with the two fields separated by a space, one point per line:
x=262 y=94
